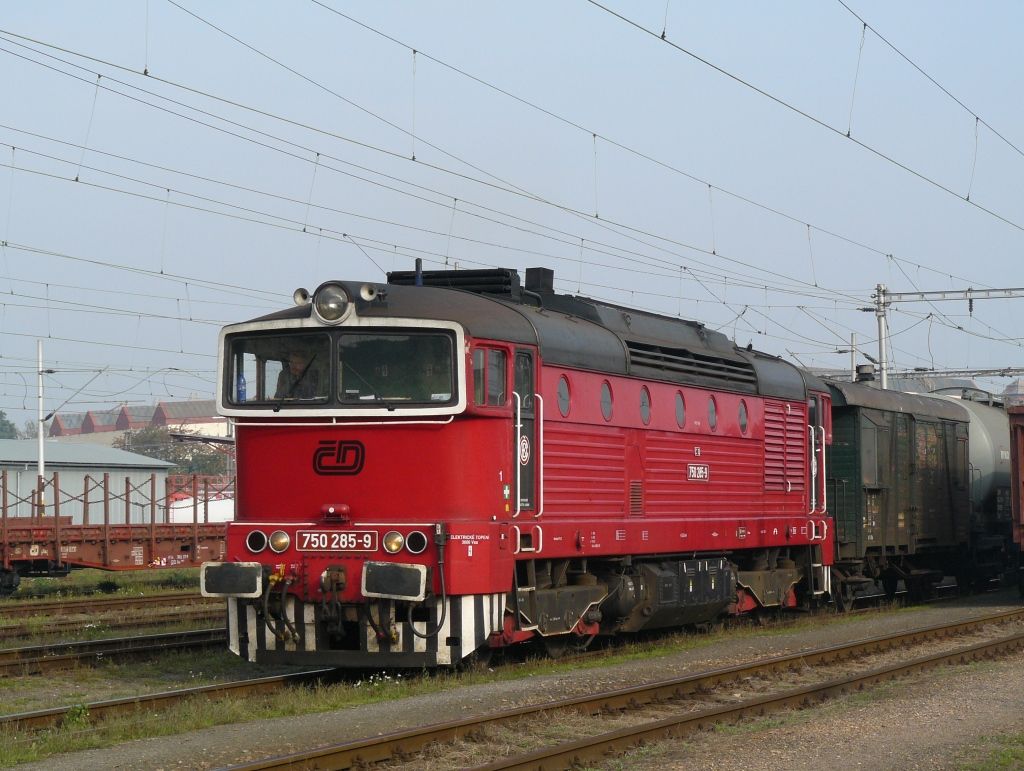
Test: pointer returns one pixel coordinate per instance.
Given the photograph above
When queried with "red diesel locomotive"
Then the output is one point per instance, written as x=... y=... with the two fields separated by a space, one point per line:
x=454 y=461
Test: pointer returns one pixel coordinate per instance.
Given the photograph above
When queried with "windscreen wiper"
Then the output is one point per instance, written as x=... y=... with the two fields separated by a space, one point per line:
x=298 y=380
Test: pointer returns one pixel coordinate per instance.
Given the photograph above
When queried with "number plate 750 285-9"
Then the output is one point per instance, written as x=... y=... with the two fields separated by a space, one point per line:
x=336 y=540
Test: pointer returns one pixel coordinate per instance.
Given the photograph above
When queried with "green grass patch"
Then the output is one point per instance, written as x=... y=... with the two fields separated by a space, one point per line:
x=995 y=752
x=89 y=581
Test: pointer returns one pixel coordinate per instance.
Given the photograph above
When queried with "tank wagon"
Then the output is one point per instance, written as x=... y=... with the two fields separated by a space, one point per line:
x=457 y=461
x=1016 y=417
x=989 y=473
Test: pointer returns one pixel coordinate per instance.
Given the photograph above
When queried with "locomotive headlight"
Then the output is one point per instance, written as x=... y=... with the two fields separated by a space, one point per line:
x=331 y=303
x=256 y=541
x=279 y=541
x=393 y=542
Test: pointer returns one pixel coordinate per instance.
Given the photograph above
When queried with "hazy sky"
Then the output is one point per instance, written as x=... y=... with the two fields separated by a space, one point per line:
x=686 y=158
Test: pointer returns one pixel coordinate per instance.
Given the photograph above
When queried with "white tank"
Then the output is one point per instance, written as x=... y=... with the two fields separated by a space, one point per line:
x=989 y=451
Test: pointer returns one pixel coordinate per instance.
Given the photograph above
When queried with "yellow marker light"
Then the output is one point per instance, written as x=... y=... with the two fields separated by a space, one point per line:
x=279 y=541
x=393 y=542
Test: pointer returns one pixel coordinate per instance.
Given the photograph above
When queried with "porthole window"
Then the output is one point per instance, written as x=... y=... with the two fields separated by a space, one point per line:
x=712 y=413
x=606 y=400
x=645 y=405
x=563 y=396
x=680 y=410
x=743 y=416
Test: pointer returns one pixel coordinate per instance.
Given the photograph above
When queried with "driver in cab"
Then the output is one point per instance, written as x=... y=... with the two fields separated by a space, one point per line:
x=298 y=378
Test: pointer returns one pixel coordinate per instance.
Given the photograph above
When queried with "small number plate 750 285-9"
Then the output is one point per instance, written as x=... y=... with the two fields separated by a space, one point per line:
x=336 y=540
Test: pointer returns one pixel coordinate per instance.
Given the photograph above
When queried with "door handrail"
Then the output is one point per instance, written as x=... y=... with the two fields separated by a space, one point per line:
x=515 y=454
x=538 y=457
x=814 y=473
x=823 y=475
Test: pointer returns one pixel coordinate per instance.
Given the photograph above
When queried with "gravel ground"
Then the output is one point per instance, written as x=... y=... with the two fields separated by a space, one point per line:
x=946 y=719
x=923 y=723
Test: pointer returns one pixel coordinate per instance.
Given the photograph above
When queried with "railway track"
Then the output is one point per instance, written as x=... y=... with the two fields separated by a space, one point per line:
x=37 y=659
x=103 y=710
x=72 y=627
x=689 y=694
x=11 y=610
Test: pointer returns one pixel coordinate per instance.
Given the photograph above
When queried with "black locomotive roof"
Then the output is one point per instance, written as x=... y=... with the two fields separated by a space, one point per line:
x=860 y=395
x=575 y=331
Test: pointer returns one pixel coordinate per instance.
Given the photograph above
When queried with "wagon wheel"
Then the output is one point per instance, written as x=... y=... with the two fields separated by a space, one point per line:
x=9 y=580
x=890 y=583
x=842 y=593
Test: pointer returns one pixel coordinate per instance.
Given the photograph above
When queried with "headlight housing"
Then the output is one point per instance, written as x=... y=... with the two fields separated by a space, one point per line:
x=416 y=542
x=256 y=541
x=331 y=303
x=279 y=541
x=393 y=542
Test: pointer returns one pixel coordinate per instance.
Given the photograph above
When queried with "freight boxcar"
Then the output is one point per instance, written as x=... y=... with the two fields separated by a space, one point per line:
x=898 y=489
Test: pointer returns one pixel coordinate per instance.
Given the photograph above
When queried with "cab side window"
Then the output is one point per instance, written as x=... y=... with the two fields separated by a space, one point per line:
x=490 y=373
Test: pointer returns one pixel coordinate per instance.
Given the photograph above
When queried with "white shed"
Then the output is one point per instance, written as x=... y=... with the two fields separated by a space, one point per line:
x=73 y=464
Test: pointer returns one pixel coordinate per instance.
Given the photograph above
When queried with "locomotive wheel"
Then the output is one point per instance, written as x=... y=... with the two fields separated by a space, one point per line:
x=478 y=660
x=559 y=645
x=555 y=647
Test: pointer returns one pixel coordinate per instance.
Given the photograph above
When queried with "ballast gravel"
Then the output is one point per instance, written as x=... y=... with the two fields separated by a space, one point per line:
x=931 y=721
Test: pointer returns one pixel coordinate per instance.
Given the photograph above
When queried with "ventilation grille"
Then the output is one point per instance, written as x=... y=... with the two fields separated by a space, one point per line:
x=785 y=447
x=503 y=281
x=679 y=361
x=636 y=497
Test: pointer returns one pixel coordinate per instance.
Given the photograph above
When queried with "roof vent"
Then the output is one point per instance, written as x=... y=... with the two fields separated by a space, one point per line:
x=498 y=281
x=540 y=279
x=865 y=373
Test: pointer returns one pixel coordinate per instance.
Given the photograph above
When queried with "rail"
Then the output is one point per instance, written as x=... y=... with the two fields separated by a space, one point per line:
x=362 y=752
x=101 y=710
x=70 y=607
x=35 y=659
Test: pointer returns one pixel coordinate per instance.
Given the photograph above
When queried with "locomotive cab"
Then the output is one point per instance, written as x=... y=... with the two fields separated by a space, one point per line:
x=359 y=467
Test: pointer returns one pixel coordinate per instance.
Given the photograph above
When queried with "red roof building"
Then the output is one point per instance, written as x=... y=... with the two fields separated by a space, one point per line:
x=135 y=417
x=68 y=424
x=97 y=422
x=195 y=416
x=199 y=415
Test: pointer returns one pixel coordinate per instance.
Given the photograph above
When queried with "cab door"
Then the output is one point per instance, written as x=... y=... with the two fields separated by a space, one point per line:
x=815 y=455
x=525 y=417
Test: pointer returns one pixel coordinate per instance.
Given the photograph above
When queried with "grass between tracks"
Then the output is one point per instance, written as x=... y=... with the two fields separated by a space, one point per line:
x=111 y=680
x=80 y=583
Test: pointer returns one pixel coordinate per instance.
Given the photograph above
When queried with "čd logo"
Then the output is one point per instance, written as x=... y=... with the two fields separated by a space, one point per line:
x=339 y=457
